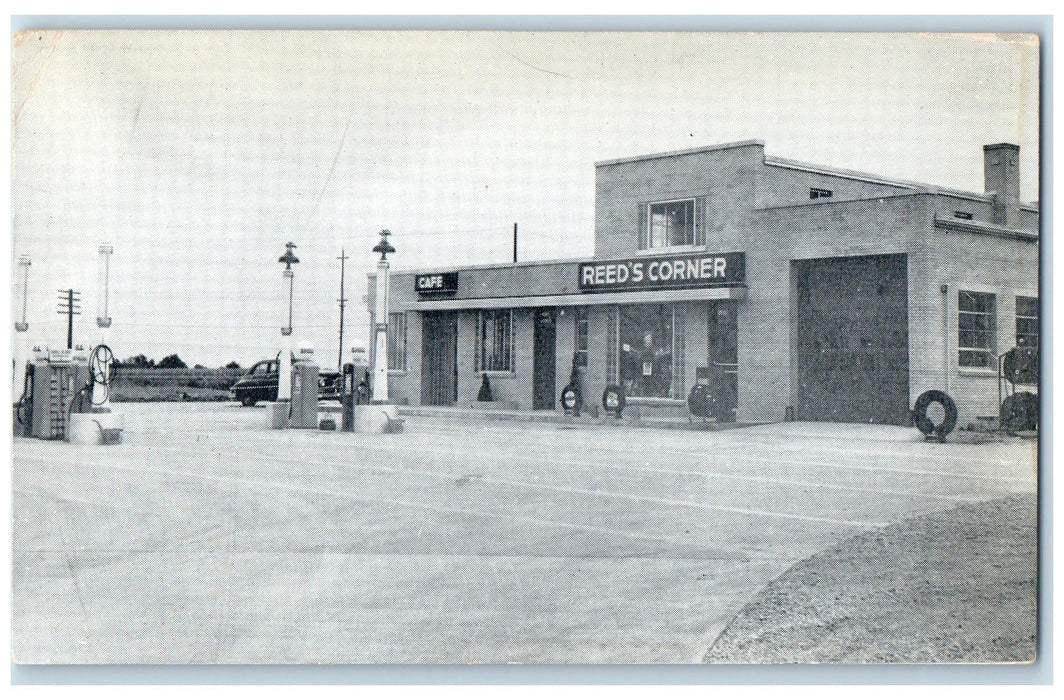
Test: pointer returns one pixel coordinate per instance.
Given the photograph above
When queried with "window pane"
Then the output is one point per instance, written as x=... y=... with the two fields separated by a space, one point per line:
x=1027 y=306
x=496 y=341
x=975 y=329
x=580 y=339
x=1026 y=322
x=397 y=341
x=974 y=301
x=975 y=358
x=671 y=224
x=645 y=352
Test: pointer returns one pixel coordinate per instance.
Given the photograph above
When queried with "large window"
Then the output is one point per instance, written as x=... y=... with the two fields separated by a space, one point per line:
x=495 y=341
x=645 y=350
x=1027 y=322
x=670 y=224
x=976 y=328
x=397 y=341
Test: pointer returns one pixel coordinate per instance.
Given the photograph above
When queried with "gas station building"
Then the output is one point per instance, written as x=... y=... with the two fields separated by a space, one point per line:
x=795 y=291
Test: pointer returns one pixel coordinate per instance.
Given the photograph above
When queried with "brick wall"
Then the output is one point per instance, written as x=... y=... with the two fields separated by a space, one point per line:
x=724 y=176
x=977 y=262
x=783 y=186
x=824 y=228
x=765 y=211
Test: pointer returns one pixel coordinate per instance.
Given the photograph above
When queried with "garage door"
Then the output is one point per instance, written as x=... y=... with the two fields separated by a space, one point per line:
x=853 y=339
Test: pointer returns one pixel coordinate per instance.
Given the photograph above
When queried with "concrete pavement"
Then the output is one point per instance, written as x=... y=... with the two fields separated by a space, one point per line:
x=206 y=537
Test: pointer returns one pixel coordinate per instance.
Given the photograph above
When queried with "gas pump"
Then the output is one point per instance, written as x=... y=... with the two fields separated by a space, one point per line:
x=356 y=387
x=304 y=404
x=57 y=383
x=60 y=389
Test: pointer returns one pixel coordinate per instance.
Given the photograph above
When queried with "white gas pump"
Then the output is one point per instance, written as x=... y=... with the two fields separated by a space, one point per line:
x=304 y=404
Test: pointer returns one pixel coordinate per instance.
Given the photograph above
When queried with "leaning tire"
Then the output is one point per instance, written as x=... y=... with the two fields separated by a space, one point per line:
x=924 y=424
x=700 y=401
x=569 y=398
x=1020 y=412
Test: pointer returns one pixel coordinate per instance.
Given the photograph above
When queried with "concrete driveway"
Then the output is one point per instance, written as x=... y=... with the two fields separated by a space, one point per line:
x=207 y=538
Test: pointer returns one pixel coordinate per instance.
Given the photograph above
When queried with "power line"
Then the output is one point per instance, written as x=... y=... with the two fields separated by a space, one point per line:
x=343 y=300
x=71 y=299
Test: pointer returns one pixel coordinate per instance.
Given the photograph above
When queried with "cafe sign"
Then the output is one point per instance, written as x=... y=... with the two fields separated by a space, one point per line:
x=436 y=283
x=692 y=271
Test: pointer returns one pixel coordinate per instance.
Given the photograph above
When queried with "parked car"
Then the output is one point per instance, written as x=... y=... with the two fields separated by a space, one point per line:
x=259 y=383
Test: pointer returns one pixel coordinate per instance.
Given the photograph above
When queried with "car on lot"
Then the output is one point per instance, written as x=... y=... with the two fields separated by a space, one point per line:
x=259 y=383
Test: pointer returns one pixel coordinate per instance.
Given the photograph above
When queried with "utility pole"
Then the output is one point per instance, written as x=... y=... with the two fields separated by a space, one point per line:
x=343 y=301
x=71 y=299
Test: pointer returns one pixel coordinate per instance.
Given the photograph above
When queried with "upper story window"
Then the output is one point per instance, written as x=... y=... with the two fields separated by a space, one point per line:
x=1027 y=322
x=819 y=193
x=976 y=327
x=670 y=224
x=965 y=215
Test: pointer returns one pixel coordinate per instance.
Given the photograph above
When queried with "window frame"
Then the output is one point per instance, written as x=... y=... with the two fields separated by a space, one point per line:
x=396 y=340
x=580 y=337
x=615 y=349
x=966 y=352
x=646 y=236
x=481 y=346
x=1027 y=318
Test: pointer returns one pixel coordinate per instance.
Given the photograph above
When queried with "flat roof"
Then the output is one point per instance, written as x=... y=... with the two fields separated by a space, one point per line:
x=682 y=152
x=820 y=169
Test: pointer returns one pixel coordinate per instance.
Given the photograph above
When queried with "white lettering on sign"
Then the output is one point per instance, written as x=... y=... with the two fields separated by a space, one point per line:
x=712 y=269
x=430 y=282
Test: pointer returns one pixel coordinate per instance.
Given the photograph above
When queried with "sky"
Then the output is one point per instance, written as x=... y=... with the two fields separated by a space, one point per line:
x=198 y=154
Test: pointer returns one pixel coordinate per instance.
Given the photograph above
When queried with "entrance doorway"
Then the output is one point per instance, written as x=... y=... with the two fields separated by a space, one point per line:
x=439 y=358
x=723 y=358
x=544 y=359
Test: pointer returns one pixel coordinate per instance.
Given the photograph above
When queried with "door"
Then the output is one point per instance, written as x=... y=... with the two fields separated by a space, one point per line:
x=853 y=339
x=439 y=358
x=723 y=359
x=544 y=359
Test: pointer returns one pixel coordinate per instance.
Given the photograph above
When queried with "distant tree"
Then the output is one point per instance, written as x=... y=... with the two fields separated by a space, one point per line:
x=233 y=365
x=198 y=366
x=139 y=361
x=172 y=362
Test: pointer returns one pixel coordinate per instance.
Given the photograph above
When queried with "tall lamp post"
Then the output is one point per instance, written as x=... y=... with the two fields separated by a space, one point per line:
x=103 y=284
x=103 y=319
x=380 y=317
x=21 y=349
x=284 y=379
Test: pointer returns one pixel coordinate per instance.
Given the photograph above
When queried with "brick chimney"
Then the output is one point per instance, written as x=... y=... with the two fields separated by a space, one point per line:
x=1001 y=169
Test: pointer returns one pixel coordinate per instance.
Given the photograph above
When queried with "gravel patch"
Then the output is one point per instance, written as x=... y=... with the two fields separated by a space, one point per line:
x=953 y=586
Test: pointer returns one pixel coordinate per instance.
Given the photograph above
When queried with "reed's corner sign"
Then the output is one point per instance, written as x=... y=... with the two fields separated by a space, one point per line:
x=663 y=272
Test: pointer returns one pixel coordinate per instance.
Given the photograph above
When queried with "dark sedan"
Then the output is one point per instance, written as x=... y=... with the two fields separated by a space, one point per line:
x=260 y=384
